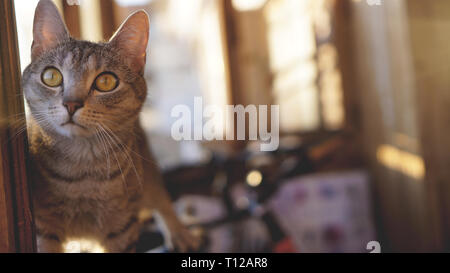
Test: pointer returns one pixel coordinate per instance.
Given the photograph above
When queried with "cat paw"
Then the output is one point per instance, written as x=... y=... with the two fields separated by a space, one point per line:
x=184 y=240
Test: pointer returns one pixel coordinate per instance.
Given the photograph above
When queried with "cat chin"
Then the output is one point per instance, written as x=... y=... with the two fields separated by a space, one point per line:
x=72 y=130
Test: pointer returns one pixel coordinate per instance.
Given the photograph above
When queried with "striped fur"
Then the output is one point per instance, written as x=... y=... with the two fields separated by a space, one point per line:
x=90 y=180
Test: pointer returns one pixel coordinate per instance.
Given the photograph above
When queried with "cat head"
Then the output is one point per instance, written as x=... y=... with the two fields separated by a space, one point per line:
x=77 y=88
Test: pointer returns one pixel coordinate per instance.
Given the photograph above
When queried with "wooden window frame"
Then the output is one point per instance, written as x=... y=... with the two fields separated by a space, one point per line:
x=16 y=217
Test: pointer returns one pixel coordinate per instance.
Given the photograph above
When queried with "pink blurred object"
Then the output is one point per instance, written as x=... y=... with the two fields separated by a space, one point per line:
x=326 y=212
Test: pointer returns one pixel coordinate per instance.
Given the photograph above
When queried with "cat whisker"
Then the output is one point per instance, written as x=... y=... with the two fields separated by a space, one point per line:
x=105 y=150
x=137 y=154
x=20 y=126
x=125 y=149
x=108 y=141
x=116 y=125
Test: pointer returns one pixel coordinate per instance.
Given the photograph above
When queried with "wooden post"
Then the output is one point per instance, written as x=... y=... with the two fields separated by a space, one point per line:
x=72 y=19
x=108 y=18
x=247 y=60
x=16 y=221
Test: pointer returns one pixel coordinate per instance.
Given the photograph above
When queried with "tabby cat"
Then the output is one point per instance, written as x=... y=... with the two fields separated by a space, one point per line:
x=92 y=169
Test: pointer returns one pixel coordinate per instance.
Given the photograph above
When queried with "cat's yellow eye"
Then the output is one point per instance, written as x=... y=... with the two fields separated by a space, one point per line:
x=51 y=77
x=106 y=82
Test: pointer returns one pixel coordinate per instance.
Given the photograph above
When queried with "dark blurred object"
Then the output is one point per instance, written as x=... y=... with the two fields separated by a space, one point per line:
x=149 y=240
x=281 y=242
x=257 y=176
x=296 y=155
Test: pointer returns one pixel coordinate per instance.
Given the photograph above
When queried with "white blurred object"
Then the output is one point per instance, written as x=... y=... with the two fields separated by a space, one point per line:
x=247 y=5
x=24 y=21
x=126 y=3
x=73 y=2
x=200 y=209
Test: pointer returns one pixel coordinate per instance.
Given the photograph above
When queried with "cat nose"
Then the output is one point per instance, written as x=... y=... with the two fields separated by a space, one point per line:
x=73 y=106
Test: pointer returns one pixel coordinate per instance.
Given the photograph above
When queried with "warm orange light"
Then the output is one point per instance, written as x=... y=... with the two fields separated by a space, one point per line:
x=405 y=162
x=254 y=178
x=83 y=245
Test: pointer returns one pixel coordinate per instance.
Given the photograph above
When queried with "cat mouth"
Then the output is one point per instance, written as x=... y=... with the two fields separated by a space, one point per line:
x=72 y=123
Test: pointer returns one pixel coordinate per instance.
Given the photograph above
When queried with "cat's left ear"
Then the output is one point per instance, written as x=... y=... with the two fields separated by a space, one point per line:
x=131 y=40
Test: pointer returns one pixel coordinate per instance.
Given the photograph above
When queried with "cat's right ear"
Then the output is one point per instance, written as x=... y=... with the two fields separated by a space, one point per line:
x=48 y=28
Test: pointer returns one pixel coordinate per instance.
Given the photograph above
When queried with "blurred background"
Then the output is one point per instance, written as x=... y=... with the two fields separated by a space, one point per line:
x=364 y=121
